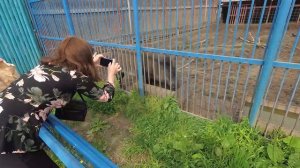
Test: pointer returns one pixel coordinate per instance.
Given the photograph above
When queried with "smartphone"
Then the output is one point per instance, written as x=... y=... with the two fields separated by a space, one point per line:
x=105 y=61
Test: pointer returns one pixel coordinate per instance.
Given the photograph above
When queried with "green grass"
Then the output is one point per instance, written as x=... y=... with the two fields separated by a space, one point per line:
x=171 y=138
x=163 y=136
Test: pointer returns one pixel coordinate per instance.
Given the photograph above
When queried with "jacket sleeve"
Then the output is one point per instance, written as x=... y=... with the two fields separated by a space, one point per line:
x=88 y=87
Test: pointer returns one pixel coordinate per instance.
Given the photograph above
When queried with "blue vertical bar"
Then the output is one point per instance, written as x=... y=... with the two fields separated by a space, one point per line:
x=208 y=26
x=292 y=53
x=176 y=44
x=78 y=19
x=151 y=21
x=113 y=16
x=192 y=24
x=243 y=49
x=138 y=47
x=236 y=28
x=242 y=55
x=271 y=52
x=68 y=17
x=232 y=50
x=106 y=18
x=157 y=34
x=163 y=24
x=198 y=48
x=213 y=63
x=288 y=20
x=199 y=25
x=177 y=29
x=89 y=16
x=183 y=47
x=184 y=28
x=170 y=24
x=259 y=28
x=100 y=20
x=190 y=49
x=123 y=22
x=290 y=101
x=146 y=23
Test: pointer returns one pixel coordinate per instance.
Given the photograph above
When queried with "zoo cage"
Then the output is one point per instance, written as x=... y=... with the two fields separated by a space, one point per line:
x=212 y=63
x=240 y=61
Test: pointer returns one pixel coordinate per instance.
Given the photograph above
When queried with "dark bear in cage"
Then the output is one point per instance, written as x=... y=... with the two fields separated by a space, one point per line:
x=160 y=70
x=157 y=69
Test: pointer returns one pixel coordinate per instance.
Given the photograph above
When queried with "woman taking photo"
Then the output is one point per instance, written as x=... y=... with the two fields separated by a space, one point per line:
x=27 y=102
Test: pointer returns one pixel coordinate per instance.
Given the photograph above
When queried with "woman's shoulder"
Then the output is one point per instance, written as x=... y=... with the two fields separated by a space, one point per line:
x=56 y=72
x=43 y=73
x=51 y=69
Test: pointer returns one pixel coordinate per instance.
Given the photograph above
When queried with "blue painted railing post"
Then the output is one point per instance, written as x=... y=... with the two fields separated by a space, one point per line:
x=68 y=17
x=138 y=47
x=273 y=45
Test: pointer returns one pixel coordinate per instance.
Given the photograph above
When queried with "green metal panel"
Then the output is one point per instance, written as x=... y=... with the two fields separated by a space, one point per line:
x=18 y=44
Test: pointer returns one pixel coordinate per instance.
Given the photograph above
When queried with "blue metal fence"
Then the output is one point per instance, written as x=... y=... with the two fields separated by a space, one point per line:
x=236 y=66
x=80 y=145
x=18 y=44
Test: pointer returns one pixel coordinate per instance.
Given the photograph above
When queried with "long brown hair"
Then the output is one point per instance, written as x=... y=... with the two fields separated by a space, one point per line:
x=75 y=54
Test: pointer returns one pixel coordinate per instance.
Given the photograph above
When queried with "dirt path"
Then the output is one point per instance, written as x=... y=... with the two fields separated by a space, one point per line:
x=115 y=136
x=110 y=138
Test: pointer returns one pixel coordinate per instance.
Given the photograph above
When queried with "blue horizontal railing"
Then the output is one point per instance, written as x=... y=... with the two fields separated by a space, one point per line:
x=88 y=152
x=33 y=1
x=56 y=147
x=241 y=60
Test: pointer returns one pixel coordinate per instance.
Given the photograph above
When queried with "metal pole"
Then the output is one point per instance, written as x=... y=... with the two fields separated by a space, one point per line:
x=274 y=42
x=68 y=17
x=138 y=47
x=129 y=16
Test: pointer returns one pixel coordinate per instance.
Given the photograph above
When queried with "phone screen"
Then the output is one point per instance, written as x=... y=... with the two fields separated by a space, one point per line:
x=105 y=61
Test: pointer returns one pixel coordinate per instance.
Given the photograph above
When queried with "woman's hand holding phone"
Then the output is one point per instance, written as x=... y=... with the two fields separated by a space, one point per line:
x=99 y=59
x=96 y=58
x=112 y=66
x=112 y=69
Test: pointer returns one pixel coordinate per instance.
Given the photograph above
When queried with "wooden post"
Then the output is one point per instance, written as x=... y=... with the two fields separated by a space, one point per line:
x=253 y=14
x=205 y=9
x=270 y=7
x=129 y=16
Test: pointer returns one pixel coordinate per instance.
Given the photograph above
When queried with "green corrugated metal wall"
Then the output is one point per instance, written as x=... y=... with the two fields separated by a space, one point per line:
x=18 y=44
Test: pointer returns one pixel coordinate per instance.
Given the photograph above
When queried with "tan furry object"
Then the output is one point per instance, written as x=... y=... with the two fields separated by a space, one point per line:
x=8 y=74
